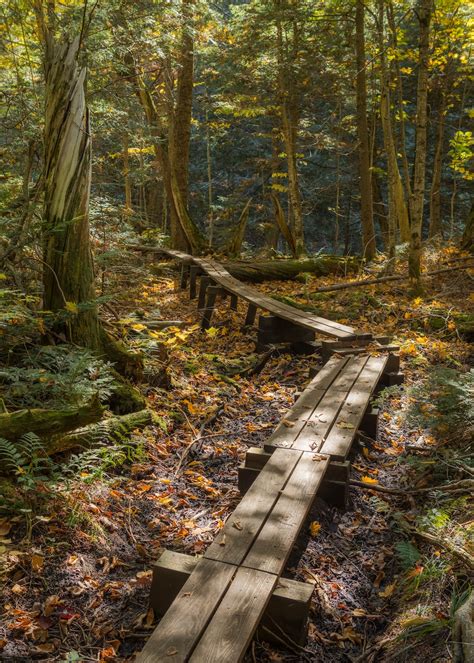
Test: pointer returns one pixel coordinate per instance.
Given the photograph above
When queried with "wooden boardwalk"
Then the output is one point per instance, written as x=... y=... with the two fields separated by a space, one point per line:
x=217 y=280
x=213 y=605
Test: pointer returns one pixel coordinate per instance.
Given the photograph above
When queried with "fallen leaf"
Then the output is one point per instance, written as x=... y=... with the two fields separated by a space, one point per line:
x=344 y=424
x=315 y=528
x=237 y=525
x=388 y=591
x=369 y=480
x=287 y=423
x=37 y=562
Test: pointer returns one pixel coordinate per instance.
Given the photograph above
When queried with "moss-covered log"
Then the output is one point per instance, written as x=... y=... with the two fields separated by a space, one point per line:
x=45 y=423
x=106 y=431
x=288 y=269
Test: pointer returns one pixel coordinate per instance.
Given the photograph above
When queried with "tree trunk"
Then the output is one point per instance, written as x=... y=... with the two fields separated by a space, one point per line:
x=68 y=274
x=126 y=174
x=290 y=121
x=380 y=210
x=401 y=109
x=179 y=129
x=234 y=247
x=435 y=193
x=282 y=224
x=423 y=11
x=397 y=208
x=467 y=240
x=366 y=204
x=104 y=432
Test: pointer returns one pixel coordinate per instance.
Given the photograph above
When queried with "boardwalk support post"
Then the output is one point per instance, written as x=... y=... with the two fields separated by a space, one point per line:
x=272 y=329
x=250 y=317
x=194 y=270
x=205 y=282
x=212 y=292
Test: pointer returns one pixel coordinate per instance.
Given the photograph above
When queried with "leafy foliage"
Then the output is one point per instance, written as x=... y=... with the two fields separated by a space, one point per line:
x=55 y=375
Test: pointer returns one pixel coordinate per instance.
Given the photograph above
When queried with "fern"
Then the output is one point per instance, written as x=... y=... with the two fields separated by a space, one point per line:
x=10 y=455
x=407 y=554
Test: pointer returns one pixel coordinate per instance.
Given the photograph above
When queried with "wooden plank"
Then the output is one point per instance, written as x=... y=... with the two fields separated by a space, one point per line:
x=348 y=376
x=183 y=624
x=339 y=440
x=235 y=539
x=328 y=373
x=236 y=619
x=293 y=423
x=287 y=610
x=274 y=543
x=314 y=432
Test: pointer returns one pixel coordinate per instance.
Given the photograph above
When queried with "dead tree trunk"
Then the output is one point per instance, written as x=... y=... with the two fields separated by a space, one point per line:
x=68 y=274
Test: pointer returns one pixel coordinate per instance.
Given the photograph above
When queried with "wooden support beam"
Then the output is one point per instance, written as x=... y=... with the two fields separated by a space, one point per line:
x=287 y=610
x=212 y=292
x=370 y=422
x=272 y=329
x=334 y=487
x=233 y=301
x=205 y=282
x=194 y=270
x=184 y=276
x=250 y=317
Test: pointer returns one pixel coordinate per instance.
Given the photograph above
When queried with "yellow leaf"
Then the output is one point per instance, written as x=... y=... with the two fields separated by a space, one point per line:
x=72 y=307
x=212 y=331
x=314 y=528
x=388 y=591
x=369 y=480
x=138 y=327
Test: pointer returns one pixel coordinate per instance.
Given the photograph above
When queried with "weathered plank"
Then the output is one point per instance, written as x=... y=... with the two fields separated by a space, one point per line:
x=327 y=374
x=236 y=619
x=351 y=371
x=339 y=440
x=287 y=611
x=276 y=539
x=318 y=425
x=183 y=624
x=242 y=526
x=293 y=423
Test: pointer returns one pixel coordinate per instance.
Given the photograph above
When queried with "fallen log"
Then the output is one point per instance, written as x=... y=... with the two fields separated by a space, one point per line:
x=103 y=432
x=282 y=269
x=46 y=423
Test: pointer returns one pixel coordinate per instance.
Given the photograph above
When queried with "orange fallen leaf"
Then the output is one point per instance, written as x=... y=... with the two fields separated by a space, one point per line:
x=369 y=480
x=315 y=528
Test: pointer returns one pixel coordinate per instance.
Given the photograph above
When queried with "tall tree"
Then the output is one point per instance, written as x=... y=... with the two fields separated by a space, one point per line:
x=397 y=208
x=68 y=273
x=365 y=184
x=423 y=12
x=287 y=54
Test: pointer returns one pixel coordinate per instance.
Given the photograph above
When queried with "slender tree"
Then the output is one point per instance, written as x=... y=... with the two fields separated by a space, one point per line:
x=423 y=12
x=365 y=184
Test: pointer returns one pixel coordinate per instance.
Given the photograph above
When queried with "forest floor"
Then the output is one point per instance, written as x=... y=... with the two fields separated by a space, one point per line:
x=76 y=574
